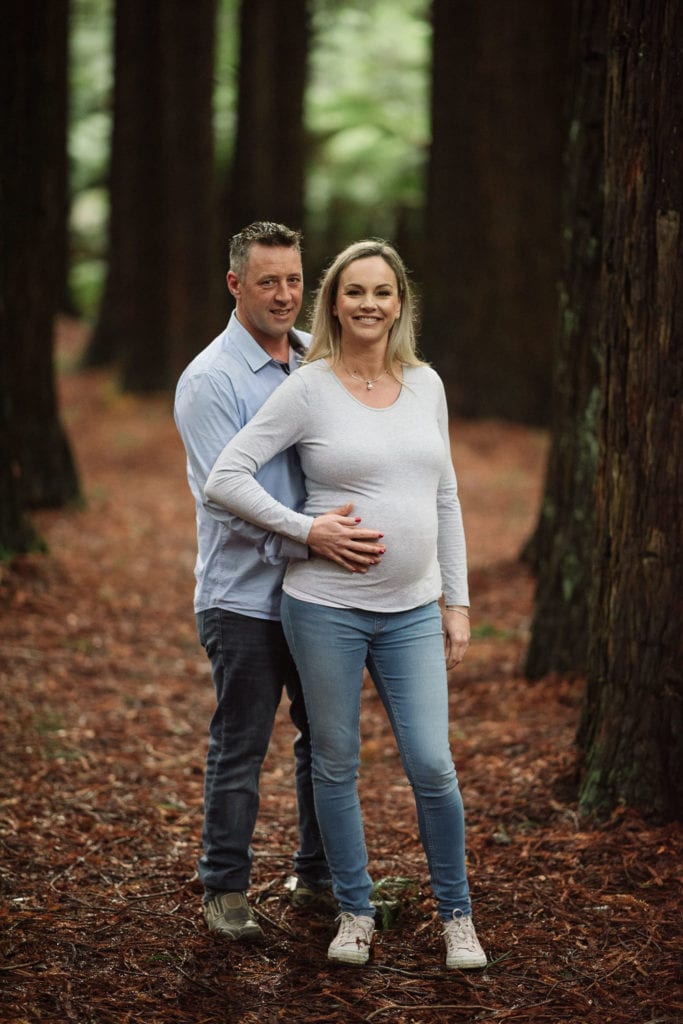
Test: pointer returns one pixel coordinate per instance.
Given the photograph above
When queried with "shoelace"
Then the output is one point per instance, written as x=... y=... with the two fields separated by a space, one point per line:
x=349 y=929
x=459 y=933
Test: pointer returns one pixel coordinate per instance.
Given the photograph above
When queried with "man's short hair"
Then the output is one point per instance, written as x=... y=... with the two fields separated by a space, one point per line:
x=260 y=232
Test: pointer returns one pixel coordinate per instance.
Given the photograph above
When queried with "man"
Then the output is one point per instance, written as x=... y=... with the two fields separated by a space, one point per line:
x=239 y=572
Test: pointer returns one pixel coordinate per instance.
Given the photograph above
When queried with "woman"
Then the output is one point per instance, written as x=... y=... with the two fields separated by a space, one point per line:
x=370 y=423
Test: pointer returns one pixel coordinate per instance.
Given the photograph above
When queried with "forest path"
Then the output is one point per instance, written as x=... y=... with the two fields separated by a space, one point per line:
x=104 y=705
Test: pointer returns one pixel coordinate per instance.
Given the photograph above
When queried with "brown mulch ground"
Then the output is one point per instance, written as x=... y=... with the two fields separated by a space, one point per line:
x=104 y=704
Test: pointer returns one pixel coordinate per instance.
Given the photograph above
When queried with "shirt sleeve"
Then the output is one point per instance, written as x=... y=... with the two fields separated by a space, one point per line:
x=207 y=413
x=451 y=547
x=231 y=484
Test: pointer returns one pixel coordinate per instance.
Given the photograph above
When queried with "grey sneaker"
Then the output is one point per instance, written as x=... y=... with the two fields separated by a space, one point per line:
x=231 y=916
x=351 y=944
x=463 y=948
x=316 y=898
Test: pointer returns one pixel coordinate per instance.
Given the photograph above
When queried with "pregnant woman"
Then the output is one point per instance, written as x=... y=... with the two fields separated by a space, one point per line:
x=370 y=424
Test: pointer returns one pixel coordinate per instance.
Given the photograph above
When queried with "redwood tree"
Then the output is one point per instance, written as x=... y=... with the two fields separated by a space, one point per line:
x=492 y=250
x=158 y=306
x=38 y=468
x=631 y=731
x=267 y=179
x=561 y=549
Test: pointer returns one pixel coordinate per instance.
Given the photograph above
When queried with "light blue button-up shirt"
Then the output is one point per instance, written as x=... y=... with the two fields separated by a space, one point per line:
x=239 y=567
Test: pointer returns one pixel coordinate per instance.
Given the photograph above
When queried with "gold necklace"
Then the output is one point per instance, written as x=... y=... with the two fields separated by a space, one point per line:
x=369 y=384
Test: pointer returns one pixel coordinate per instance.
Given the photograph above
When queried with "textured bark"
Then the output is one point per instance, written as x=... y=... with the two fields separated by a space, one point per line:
x=632 y=725
x=267 y=178
x=492 y=250
x=194 y=282
x=16 y=532
x=561 y=550
x=131 y=315
x=32 y=85
x=157 y=309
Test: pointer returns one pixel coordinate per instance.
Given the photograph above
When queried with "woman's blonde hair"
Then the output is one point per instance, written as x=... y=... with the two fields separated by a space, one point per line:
x=325 y=327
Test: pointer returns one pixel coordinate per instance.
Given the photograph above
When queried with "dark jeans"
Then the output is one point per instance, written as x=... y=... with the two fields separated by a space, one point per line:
x=250 y=663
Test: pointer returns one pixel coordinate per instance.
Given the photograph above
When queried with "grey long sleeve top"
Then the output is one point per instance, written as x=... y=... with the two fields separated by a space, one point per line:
x=394 y=464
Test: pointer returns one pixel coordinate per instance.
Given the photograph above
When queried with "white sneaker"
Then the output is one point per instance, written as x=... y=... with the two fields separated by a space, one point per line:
x=463 y=948
x=351 y=944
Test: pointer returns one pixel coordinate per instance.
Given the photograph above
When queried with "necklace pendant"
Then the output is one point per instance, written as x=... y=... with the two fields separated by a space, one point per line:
x=369 y=385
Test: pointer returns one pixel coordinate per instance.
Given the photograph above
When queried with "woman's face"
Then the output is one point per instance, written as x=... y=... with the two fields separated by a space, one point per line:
x=367 y=301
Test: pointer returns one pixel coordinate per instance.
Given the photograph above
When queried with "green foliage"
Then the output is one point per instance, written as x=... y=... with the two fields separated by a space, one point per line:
x=366 y=118
x=487 y=631
x=388 y=896
x=91 y=82
x=367 y=113
x=225 y=92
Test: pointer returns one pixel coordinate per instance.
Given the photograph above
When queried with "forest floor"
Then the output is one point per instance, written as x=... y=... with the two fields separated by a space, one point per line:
x=104 y=703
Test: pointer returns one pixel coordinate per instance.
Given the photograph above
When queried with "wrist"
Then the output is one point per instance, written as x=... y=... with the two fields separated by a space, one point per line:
x=459 y=609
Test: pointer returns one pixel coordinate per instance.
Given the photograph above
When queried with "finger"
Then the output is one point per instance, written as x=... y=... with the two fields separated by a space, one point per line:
x=367 y=557
x=346 y=563
x=368 y=544
x=343 y=510
x=364 y=534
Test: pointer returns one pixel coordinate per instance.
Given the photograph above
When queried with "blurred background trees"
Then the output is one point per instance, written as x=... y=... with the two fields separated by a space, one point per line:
x=492 y=238
x=161 y=276
x=440 y=127
x=525 y=158
x=38 y=470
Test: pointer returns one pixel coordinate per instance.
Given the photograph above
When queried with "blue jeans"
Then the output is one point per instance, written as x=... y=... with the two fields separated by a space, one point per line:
x=404 y=654
x=250 y=663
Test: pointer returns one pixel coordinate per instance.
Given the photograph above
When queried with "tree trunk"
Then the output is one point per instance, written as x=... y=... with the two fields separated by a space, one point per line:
x=158 y=307
x=561 y=549
x=16 y=532
x=131 y=314
x=267 y=180
x=631 y=731
x=195 y=286
x=32 y=76
x=493 y=209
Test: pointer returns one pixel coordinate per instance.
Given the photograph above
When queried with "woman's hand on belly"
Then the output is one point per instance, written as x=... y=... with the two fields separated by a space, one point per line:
x=338 y=536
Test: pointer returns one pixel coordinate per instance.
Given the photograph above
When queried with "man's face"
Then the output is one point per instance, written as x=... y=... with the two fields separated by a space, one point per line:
x=268 y=295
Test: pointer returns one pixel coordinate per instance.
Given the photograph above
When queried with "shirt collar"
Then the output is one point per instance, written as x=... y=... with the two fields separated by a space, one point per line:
x=255 y=356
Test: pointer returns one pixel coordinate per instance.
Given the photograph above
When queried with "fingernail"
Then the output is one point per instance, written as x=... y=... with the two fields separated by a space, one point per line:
x=357 y=519
x=380 y=536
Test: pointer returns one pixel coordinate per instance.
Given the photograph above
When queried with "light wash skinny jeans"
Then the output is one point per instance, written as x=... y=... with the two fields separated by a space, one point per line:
x=404 y=654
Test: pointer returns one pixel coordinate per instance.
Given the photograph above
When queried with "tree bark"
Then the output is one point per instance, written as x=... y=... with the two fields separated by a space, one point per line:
x=195 y=286
x=267 y=180
x=32 y=76
x=131 y=313
x=17 y=534
x=493 y=211
x=561 y=549
x=158 y=308
x=631 y=732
